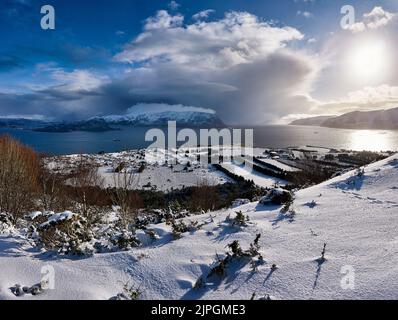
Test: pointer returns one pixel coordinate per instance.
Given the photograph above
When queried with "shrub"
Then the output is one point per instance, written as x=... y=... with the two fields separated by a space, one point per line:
x=125 y=240
x=5 y=218
x=240 y=219
x=5 y=222
x=178 y=228
x=219 y=267
x=360 y=172
x=120 y=167
x=19 y=168
x=235 y=249
x=239 y=202
x=252 y=252
x=287 y=207
x=255 y=247
x=277 y=196
x=65 y=232
x=129 y=293
x=132 y=292
x=141 y=168
x=35 y=290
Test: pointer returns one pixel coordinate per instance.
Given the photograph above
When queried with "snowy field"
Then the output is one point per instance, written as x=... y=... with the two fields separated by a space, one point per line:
x=279 y=165
x=354 y=215
x=164 y=178
x=186 y=172
x=258 y=178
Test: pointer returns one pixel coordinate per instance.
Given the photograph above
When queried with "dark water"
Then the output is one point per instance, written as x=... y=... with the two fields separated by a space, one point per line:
x=267 y=136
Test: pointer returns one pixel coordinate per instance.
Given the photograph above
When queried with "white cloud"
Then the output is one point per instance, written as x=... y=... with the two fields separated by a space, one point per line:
x=246 y=69
x=145 y=108
x=173 y=5
x=305 y=14
x=78 y=80
x=203 y=14
x=240 y=65
x=365 y=99
x=237 y=38
x=383 y=93
x=163 y=20
x=372 y=20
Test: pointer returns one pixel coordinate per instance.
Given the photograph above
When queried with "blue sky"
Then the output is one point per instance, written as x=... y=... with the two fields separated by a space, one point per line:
x=278 y=59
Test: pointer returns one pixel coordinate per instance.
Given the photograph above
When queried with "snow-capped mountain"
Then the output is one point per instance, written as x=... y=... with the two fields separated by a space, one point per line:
x=143 y=114
x=377 y=119
x=313 y=121
x=160 y=114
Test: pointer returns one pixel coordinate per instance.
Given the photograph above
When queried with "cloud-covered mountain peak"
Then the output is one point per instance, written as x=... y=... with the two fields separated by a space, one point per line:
x=161 y=113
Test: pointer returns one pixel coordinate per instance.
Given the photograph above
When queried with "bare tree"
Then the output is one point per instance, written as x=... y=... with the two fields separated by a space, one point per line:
x=85 y=180
x=204 y=196
x=123 y=194
x=19 y=167
x=53 y=195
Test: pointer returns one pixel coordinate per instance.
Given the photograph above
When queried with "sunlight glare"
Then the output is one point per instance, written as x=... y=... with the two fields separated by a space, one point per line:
x=370 y=140
x=369 y=61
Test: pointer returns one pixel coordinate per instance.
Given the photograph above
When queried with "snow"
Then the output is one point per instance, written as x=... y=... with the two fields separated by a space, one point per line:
x=157 y=173
x=279 y=165
x=273 y=195
x=156 y=113
x=34 y=215
x=258 y=178
x=58 y=217
x=354 y=215
x=147 y=108
x=165 y=178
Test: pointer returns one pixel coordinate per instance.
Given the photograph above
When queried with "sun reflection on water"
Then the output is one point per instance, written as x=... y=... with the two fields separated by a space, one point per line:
x=370 y=140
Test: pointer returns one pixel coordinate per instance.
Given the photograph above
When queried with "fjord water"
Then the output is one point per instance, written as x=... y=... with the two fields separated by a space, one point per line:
x=265 y=136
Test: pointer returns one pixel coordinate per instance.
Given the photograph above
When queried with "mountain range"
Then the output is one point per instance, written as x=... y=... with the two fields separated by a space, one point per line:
x=141 y=115
x=377 y=119
x=159 y=115
x=21 y=123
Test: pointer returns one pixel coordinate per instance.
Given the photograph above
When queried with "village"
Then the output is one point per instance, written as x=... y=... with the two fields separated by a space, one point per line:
x=296 y=167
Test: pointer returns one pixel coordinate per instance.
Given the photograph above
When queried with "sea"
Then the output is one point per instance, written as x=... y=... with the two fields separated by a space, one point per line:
x=272 y=136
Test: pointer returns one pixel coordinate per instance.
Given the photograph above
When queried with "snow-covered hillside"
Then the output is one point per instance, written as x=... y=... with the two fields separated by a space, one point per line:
x=354 y=214
x=159 y=114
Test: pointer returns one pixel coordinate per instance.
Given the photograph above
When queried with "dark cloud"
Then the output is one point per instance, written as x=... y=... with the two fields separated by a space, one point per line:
x=246 y=94
x=238 y=66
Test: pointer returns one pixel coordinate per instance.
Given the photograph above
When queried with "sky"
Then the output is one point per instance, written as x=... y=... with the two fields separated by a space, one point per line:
x=252 y=62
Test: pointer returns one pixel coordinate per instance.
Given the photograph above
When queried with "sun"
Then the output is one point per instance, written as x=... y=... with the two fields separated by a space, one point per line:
x=369 y=61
